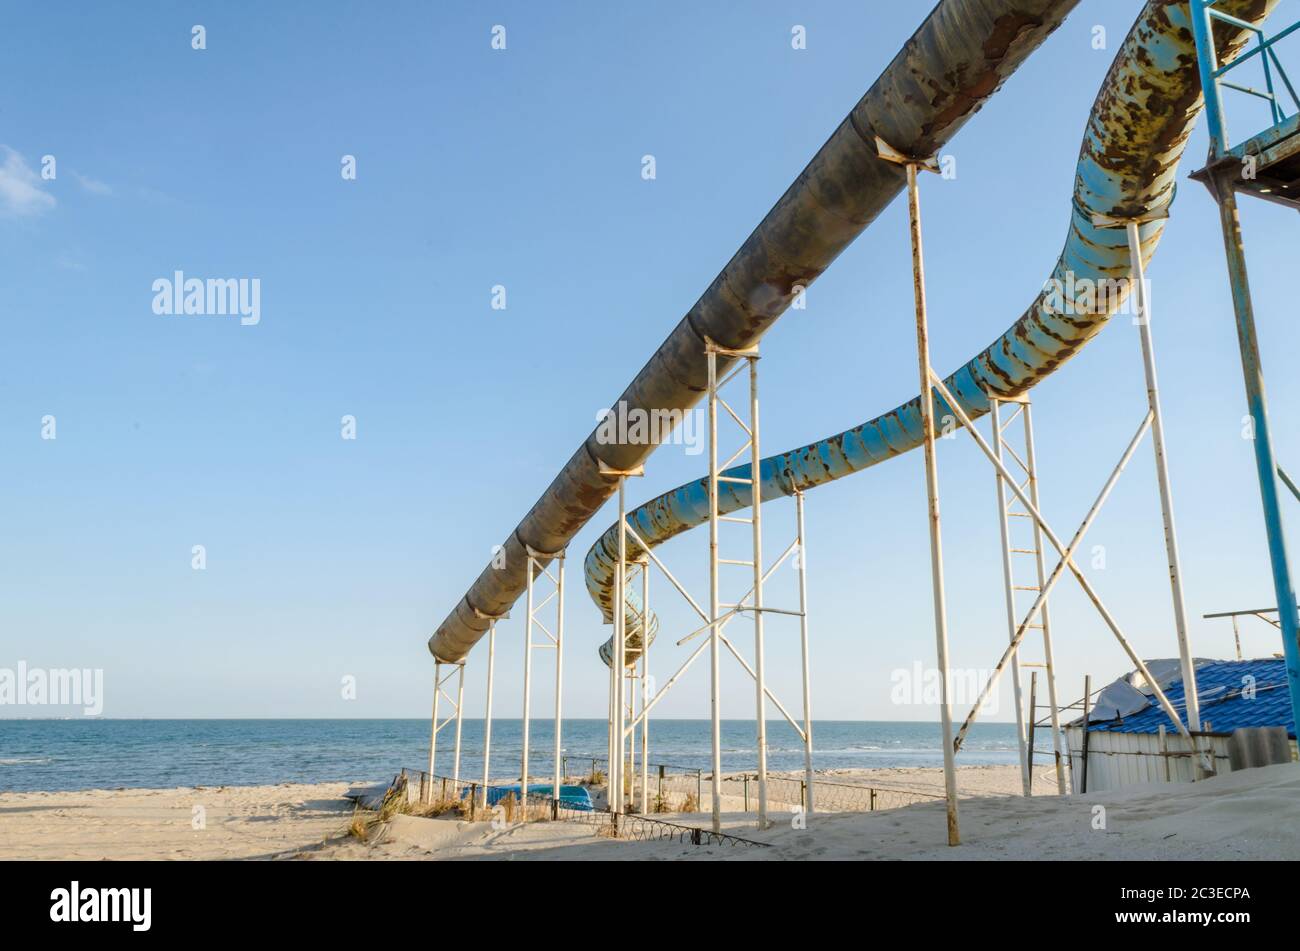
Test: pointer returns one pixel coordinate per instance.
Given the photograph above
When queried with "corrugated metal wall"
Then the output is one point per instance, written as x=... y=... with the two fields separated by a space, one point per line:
x=1132 y=759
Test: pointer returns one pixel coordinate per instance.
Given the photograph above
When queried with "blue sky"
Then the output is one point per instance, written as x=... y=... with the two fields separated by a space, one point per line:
x=329 y=557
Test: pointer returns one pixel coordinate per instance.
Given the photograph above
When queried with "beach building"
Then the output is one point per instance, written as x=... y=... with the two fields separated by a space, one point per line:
x=1131 y=740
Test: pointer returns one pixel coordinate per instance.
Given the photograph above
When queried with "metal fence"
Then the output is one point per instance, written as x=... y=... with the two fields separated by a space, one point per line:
x=643 y=828
x=669 y=788
x=828 y=796
x=675 y=789
x=419 y=786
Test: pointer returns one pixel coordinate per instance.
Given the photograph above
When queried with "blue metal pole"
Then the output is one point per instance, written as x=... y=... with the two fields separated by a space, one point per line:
x=1253 y=372
x=1251 y=367
x=1207 y=63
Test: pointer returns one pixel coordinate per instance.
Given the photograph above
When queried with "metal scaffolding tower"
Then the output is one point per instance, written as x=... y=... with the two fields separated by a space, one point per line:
x=1025 y=460
x=439 y=681
x=553 y=640
x=624 y=719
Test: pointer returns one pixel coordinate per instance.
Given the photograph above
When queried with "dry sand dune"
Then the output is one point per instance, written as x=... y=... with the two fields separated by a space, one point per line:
x=206 y=823
x=1248 y=815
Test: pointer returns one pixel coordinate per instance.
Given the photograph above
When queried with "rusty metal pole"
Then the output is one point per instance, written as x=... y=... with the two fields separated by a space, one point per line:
x=620 y=649
x=631 y=765
x=1257 y=405
x=645 y=686
x=528 y=678
x=1033 y=715
x=803 y=651
x=932 y=494
x=618 y=658
x=1162 y=475
x=559 y=675
x=487 y=711
x=433 y=728
x=715 y=658
x=1222 y=181
x=460 y=704
x=1083 y=742
x=609 y=745
x=760 y=682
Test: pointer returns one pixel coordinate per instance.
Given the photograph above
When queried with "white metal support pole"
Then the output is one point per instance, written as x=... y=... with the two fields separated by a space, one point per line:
x=620 y=648
x=618 y=664
x=760 y=692
x=629 y=696
x=433 y=729
x=1236 y=636
x=715 y=656
x=645 y=686
x=528 y=681
x=460 y=706
x=609 y=746
x=1062 y=759
x=931 y=473
x=1004 y=528
x=559 y=675
x=1162 y=475
x=803 y=648
x=487 y=712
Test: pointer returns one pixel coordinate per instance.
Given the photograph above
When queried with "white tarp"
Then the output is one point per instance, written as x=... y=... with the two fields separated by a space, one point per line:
x=1132 y=692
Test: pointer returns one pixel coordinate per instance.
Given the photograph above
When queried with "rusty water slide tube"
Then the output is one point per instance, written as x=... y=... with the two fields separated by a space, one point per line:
x=956 y=60
x=959 y=57
x=1133 y=142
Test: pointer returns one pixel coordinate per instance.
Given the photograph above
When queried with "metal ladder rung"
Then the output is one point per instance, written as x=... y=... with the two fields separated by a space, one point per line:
x=1020 y=515
x=739 y=479
x=1025 y=587
x=733 y=561
x=733 y=518
x=1024 y=551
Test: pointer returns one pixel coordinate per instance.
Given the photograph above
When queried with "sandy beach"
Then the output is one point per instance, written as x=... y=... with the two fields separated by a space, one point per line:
x=1248 y=815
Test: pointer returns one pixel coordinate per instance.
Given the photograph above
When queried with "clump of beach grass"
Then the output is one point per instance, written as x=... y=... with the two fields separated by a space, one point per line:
x=364 y=821
x=690 y=803
x=396 y=802
x=440 y=807
x=359 y=827
x=509 y=803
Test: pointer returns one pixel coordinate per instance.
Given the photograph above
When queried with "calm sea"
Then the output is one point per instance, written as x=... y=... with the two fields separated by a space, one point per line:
x=98 y=753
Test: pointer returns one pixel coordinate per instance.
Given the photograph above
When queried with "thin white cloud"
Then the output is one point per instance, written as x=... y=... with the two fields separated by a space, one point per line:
x=92 y=185
x=20 y=187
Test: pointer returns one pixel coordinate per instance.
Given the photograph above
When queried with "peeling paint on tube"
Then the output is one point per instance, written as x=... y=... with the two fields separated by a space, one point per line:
x=1134 y=139
x=959 y=57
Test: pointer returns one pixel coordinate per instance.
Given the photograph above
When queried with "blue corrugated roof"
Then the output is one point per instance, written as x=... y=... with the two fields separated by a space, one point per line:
x=1219 y=687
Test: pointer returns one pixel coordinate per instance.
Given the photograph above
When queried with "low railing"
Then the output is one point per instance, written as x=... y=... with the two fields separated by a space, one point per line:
x=502 y=802
x=669 y=788
x=827 y=795
x=683 y=789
